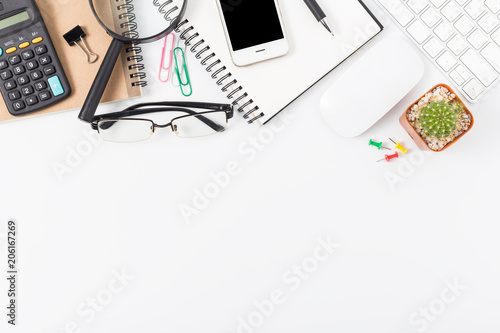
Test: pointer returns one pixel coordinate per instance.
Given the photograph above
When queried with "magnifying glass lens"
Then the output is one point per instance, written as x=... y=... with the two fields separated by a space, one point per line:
x=128 y=21
x=137 y=19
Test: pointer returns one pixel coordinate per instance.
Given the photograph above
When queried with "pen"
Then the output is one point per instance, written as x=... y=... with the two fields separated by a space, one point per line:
x=318 y=13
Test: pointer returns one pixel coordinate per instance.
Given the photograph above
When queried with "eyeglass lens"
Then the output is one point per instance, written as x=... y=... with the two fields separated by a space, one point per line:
x=134 y=130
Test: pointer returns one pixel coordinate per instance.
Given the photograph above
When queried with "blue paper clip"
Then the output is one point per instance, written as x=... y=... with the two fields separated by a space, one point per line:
x=186 y=73
x=163 y=57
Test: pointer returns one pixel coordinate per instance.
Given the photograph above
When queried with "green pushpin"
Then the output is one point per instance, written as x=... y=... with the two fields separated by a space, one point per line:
x=377 y=144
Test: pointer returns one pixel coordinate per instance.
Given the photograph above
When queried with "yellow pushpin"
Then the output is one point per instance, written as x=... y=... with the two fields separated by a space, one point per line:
x=398 y=146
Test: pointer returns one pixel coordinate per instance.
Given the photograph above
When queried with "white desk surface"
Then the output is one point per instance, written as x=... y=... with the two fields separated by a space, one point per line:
x=418 y=255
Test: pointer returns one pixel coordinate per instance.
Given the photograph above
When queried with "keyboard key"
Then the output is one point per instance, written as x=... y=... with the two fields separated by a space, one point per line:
x=15 y=59
x=3 y=64
x=496 y=36
x=478 y=67
x=40 y=85
x=444 y=31
x=433 y=47
x=36 y=75
x=49 y=70
x=28 y=54
x=27 y=90
x=438 y=3
x=430 y=17
x=451 y=11
x=13 y=95
x=44 y=95
x=477 y=39
x=417 y=5
x=418 y=31
x=5 y=75
x=457 y=45
x=22 y=80
x=492 y=55
x=56 y=86
x=32 y=65
x=463 y=72
x=41 y=49
x=446 y=61
x=457 y=77
x=488 y=22
x=18 y=105
x=10 y=85
x=464 y=25
x=473 y=88
x=399 y=11
x=31 y=100
x=474 y=9
x=493 y=5
x=45 y=60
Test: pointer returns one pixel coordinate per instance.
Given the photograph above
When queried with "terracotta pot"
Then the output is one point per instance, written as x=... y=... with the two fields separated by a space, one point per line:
x=403 y=120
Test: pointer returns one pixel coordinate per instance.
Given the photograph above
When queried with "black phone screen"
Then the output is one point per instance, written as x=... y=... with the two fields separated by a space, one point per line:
x=251 y=22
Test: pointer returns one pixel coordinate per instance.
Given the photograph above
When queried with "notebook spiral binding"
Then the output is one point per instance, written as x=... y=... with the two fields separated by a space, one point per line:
x=163 y=9
x=224 y=77
x=133 y=51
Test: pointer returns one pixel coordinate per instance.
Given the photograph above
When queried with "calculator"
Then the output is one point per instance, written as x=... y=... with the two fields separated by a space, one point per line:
x=31 y=75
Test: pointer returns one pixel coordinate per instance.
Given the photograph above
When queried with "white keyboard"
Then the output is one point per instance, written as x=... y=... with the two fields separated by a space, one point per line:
x=461 y=37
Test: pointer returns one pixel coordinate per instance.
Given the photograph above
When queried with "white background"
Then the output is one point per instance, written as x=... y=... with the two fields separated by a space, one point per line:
x=402 y=243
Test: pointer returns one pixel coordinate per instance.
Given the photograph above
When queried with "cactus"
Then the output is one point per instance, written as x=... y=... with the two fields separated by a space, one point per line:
x=439 y=119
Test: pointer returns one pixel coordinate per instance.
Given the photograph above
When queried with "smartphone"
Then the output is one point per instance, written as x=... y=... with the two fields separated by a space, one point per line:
x=254 y=30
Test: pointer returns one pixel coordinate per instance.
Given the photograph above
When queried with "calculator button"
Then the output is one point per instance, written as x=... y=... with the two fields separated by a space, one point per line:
x=42 y=49
x=45 y=60
x=44 y=95
x=11 y=50
x=14 y=60
x=37 y=40
x=14 y=95
x=28 y=54
x=19 y=69
x=32 y=65
x=4 y=64
x=19 y=105
x=24 y=45
x=5 y=75
x=10 y=85
x=36 y=75
x=1 y=52
x=27 y=90
x=40 y=85
x=49 y=70
x=31 y=100
x=22 y=80
x=56 y=86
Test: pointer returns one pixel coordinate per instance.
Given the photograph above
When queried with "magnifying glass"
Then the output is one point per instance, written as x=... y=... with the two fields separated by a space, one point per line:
x=128 y=22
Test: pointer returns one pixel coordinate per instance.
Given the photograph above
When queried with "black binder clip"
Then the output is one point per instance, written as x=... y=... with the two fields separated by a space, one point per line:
x=76 y=35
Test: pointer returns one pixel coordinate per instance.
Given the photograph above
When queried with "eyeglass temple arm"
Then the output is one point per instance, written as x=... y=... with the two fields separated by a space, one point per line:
x=228 y=108
x=121 y=114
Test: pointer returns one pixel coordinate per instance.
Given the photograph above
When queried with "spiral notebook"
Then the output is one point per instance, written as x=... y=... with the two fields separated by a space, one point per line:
x=262 y=90
x=127 y=79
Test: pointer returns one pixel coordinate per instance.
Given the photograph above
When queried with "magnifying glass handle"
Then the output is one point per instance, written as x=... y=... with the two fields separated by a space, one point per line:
x=100 y=82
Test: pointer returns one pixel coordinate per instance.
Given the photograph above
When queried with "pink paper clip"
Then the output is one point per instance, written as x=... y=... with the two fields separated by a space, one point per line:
x=167 y=68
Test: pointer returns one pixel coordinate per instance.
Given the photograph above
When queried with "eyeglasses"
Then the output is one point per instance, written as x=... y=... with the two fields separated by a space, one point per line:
x=117 y=127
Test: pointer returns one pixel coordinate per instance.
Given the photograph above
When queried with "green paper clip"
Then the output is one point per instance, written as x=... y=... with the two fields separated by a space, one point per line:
x=188 y=81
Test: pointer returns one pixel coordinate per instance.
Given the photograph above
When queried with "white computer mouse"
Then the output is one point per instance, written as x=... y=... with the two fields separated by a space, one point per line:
x=372 y=86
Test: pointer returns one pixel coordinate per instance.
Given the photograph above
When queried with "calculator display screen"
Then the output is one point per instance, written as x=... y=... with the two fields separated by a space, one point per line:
x=251 y=22
x=14 y=19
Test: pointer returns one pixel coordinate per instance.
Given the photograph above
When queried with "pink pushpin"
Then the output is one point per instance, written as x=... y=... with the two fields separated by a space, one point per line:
x=388 y=158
